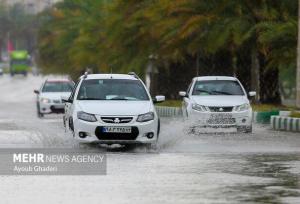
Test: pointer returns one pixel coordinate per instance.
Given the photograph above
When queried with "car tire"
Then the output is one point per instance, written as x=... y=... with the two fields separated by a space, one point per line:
x=71 y=126
x=249 y=129
x=152 y=146
x=244 y=129
x=39 y=114
x=158 y=129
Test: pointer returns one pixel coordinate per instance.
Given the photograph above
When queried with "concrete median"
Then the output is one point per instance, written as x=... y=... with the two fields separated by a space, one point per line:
x=164 y=111
x=285 y=123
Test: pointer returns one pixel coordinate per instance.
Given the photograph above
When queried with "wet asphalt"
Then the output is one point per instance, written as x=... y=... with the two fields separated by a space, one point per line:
x=203 y=167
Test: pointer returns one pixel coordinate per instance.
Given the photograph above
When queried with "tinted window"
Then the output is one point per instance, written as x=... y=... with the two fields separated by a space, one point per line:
x=217 y=87
x=112 y=89
x=57 y=87
x=20 y=62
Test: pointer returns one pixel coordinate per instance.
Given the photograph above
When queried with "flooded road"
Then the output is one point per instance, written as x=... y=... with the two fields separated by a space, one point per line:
x=263 y=167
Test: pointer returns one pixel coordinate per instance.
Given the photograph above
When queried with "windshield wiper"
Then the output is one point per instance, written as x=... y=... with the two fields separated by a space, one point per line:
x=90 y=99
x=222 y=92
x=203 y=90
x=118 y=99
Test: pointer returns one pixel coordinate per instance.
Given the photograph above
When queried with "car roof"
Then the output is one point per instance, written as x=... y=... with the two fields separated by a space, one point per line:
x=206 y=78
x=111 y=76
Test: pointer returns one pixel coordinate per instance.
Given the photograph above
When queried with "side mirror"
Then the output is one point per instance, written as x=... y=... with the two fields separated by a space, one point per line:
x=36 y=91
x=66 y=99
x=182 y=94
x=252 y=93
x=159 y=99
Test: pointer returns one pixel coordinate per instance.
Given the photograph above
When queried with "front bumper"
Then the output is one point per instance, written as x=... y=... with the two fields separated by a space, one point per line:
x=47 y=108
x=94 y=134
x=221 y=119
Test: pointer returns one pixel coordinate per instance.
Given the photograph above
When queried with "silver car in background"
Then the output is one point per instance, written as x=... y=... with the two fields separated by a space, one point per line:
x=49 y=96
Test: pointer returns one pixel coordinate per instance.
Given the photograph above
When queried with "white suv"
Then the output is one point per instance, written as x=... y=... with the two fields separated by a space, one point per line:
x=218 y=101
x=112 y=109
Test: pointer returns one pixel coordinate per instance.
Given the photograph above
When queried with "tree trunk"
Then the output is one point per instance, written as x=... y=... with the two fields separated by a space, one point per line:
x=255 y=76
x=1 y=48
x=269 y=88
x=298 y=61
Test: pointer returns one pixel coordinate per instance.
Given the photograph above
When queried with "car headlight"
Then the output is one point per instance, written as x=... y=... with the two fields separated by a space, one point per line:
x=45 y=100
x=86 y=116
x=242 y=107
x=145 y=117
x=200 y=108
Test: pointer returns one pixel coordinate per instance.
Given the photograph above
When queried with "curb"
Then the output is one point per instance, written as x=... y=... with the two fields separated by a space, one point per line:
x=164 y=111
x=285 y=123
x=264 y=117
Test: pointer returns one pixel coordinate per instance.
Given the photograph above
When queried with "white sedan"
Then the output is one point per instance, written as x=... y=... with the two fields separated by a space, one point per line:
x=112 y=109
x=49 y=96
x=218 y=101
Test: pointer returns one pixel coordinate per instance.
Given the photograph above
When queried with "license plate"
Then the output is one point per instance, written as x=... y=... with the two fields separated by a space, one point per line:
x=221 y=116
x=221 y=119
x=116 y=129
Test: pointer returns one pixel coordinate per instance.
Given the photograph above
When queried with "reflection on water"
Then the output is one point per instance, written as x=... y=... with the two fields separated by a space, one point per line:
x=284 y=184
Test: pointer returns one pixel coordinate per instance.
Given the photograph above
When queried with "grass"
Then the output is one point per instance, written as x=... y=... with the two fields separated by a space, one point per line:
x=256 y=107
x=267 y=107
x=171 y=103
x=272 y=107
x=295 y=114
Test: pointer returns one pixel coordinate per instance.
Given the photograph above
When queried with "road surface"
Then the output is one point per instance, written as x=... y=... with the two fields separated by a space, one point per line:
x=263 y=167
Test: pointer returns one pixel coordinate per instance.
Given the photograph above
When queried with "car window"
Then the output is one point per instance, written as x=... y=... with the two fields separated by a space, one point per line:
x=57 y=87
x=217 y=87
x=112 y=89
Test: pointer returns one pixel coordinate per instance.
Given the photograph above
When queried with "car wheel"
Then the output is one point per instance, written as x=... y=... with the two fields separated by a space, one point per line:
x=158 y=128
x=152 y=146
x=39 y=114
x=244 y=129
x=64 y=121
x=71 y=126
x=184 y=113
x=249 y=129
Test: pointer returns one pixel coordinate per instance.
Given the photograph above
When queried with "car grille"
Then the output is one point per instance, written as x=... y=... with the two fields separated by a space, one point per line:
x=221 y=109
x=116 y=136
x=117 y=120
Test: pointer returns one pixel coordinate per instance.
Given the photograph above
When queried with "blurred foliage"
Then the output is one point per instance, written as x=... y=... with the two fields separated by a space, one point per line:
x=268 y=107
x=295 y=114
x=19 y=26
x=120 y=35
x=170 y=103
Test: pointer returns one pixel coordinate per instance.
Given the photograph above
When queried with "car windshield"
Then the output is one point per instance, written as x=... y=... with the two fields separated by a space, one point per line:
x=58 y=87
x=20 y=62
x=217 y=87
x=112 y=89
